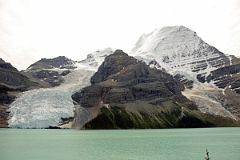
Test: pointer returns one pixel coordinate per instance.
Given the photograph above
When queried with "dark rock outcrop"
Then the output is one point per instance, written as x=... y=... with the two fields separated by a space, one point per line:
x=224 y=75
x=58 y=62
x=122 y=79
x=228 y=79
x=44 y=70
x=187 y=83
x=129 y=94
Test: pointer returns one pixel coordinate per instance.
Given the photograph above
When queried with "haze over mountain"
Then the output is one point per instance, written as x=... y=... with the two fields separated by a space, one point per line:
x=76 y=28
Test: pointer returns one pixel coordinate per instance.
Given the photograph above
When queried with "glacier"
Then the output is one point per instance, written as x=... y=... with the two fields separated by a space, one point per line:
x=44 y=107
x=41 y=108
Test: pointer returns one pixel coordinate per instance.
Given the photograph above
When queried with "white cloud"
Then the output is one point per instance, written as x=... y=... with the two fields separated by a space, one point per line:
x=32 y=29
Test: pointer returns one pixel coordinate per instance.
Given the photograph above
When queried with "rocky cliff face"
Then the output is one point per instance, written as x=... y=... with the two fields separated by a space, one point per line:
x=58 y=62
x=127 y=93
x=11 y=83
x=126 y=79
x=51 y=71
x=227 y=80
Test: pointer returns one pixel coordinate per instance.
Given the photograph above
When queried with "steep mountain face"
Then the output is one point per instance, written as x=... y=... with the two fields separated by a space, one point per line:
x=11 y=83
x=127 y=93
x=178 y=48
x=53 y=107
x=227 y=79
x=195 y=63
x=58 y=62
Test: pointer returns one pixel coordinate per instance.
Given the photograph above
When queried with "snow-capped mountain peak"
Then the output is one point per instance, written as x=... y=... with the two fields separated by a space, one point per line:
x=178 y=48
x=184 y=54
x=152 y=42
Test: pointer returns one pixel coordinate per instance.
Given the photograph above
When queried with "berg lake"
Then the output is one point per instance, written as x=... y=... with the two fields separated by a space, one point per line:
x=159 y=144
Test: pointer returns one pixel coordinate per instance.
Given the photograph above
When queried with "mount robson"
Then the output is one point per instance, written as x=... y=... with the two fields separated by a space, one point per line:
x=170 y=79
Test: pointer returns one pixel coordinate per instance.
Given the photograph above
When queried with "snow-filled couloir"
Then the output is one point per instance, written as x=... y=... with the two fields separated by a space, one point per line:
x=44 y=107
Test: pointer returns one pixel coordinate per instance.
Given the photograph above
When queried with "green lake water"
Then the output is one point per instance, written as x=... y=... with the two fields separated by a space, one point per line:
x=160 y=144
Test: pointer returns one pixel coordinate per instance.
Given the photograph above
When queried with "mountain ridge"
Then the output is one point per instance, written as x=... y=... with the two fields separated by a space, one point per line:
x=209 y=76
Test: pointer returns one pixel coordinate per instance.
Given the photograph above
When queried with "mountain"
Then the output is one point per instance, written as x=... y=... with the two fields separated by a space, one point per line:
x=192 y=77
x=11 y=83
x=50 y=71
x=58 y=62
x=127 y=93
x=227 y=81
x=53 y=106
x=178 y=48
x=205 y=71
x=12 y=79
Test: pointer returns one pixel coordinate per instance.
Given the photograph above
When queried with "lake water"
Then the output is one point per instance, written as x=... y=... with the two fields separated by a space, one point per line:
x=160 y=144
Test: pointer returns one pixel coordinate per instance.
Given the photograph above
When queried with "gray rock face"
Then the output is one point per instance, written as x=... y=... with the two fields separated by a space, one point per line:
x=7 y=66
x=227 y=78
x=51 y=70
x=111 y=65
x=187 y=83
x=54 y=78
x=10 y=77
x=58 y=62
x=224 y=75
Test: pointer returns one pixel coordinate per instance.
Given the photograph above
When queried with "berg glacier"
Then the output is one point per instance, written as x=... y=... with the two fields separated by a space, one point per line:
x=44 y=107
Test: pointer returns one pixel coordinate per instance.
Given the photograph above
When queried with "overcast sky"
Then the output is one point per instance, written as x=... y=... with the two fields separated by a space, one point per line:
x=33 y=29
